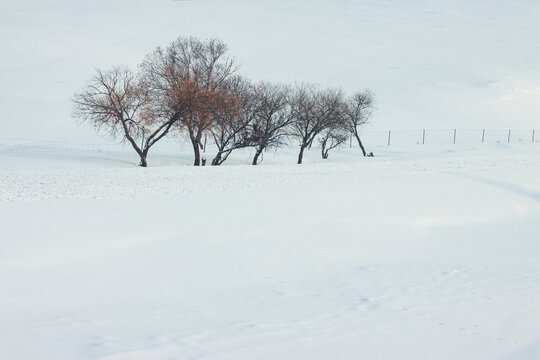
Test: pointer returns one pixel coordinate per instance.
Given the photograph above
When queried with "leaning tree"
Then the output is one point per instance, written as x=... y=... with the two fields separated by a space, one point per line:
x=333 y=137
x=357 y=110
x=189 y=74
x=272 y=118
x=233 y=114
x=314 y=110
x=120 y=102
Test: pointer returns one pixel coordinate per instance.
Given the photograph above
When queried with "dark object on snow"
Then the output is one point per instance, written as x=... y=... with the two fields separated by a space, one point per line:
x=203 y=161
x=370 y=155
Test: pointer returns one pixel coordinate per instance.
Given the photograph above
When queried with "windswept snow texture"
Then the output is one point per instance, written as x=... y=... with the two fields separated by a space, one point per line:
x=431 y=63
x=418 y=253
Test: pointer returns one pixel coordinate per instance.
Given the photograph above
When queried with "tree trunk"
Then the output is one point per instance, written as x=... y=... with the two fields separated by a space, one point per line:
x=196 y=152
x=143 y=155
x=257 y=154
x=221 y=156
x=301 y=154
x=143 y=162
x=217 y=159
x=324 y=153
x=360 y=143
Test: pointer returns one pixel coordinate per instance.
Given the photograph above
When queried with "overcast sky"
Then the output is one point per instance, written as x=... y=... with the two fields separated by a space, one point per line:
x=431 y=64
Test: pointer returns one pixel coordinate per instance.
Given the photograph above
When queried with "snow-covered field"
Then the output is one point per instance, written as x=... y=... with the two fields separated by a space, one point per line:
x=423 y=252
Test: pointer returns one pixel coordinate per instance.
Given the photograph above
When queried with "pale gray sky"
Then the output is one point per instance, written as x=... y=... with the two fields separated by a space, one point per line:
x=432 y=64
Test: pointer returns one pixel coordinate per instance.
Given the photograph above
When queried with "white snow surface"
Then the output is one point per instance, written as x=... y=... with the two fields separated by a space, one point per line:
x=422 y=252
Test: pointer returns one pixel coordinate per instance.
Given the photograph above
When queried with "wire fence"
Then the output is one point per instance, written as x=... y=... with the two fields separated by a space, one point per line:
x=448 y=136
x=371 y=138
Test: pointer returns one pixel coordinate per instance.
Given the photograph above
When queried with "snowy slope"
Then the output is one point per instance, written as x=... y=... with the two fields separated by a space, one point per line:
x=33 y=177
x=434 y=64
x=423 y=252
x=431 y=254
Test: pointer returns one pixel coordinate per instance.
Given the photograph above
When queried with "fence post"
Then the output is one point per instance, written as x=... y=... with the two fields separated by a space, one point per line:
x=423 y=136
x=533 y=136
x=483 y=135
x=455 y=130
x=389 y=133
x=509 y=132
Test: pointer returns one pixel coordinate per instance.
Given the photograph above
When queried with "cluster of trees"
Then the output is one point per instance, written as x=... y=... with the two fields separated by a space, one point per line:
x=192 y=89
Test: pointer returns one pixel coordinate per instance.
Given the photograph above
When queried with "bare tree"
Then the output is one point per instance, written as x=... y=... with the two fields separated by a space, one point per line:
x=120 y=103
x=273 y=117
x=233 y=114
x=314 y=111
x=189 y=73
x=357 y=110
x=333 y=137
